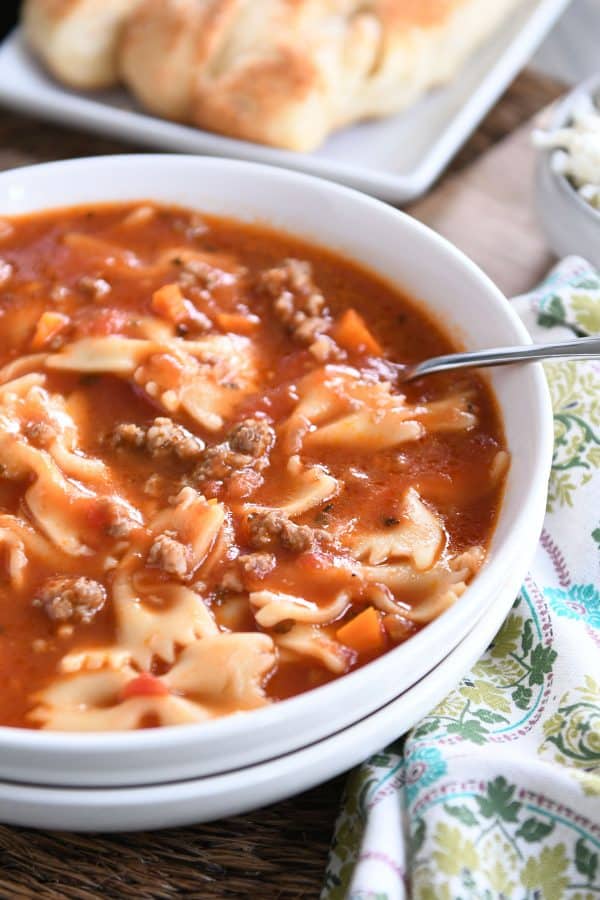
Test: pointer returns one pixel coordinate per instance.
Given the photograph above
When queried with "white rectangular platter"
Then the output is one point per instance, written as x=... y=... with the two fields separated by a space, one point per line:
x=396 y=159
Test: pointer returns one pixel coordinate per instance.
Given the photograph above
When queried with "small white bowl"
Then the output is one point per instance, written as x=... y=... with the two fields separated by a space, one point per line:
x=571 y=225
x=456 y=293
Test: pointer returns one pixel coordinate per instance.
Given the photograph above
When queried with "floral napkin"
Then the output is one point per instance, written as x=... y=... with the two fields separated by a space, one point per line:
x=496 y=793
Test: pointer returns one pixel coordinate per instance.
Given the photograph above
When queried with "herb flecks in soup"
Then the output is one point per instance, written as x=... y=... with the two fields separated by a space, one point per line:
x=213 y=492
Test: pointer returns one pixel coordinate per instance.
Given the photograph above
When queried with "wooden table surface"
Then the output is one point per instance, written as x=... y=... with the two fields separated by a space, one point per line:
x=277 y=852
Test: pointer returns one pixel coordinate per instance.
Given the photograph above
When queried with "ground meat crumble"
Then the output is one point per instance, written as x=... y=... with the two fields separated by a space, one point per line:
x=247 y=446
x=162 y=438
x=96 y=288
x=272 y=526
x=254 y=437
x=120 y=525
x=258 y=565
x=41 y=434
x=68 y=598
x=169 y=554
x=298 y=303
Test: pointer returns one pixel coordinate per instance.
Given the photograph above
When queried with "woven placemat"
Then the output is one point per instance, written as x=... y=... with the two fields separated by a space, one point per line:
x=277 y=852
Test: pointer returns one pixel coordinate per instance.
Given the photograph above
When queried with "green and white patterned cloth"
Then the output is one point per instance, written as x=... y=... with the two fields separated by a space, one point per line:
x=496 y=793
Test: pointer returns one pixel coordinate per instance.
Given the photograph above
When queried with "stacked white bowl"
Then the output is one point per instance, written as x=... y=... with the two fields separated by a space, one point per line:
x=177 y=775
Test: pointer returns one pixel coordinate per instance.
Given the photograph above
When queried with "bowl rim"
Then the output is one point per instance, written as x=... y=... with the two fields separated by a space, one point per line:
x=559 y=117
x=233 y=726
x=312 y=764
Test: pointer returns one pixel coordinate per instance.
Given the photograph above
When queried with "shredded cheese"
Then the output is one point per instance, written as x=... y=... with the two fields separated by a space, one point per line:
x=577 y=150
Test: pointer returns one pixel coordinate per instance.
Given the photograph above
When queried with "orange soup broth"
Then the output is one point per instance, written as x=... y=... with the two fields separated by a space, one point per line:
x=450 y=471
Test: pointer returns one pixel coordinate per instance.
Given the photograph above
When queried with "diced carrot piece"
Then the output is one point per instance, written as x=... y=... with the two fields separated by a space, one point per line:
x=238 y=322
x=48 y=326
x=145 y=685
x=169 y=302
x=363 y=633
x=352 y=333
x=167 y=370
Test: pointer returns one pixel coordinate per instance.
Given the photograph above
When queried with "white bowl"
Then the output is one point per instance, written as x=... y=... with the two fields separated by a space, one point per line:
x=459 y=295
x=571 y=225
x=216 y=796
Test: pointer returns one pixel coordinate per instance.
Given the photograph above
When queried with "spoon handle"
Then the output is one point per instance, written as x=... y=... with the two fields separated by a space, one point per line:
x=503 y=356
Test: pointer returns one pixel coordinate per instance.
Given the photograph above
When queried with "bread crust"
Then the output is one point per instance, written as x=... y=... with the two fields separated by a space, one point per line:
x=77 y=40
x=290 y=72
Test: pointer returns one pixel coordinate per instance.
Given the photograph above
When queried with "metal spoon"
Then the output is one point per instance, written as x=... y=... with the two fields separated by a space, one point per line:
x=502 y=356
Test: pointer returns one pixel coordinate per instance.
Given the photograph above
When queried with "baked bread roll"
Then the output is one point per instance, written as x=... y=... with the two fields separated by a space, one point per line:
x=279 y=72
x=265 y=70
x=77 y=39
x=289 y=72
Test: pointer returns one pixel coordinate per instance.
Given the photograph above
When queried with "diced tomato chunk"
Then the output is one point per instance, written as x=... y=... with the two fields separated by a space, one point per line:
x=145 y=685
x=313 y=560
x=294 y=365
x=94 y=322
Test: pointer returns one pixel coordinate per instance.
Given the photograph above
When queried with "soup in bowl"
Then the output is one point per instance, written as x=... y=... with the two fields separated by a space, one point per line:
x=216 y=493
